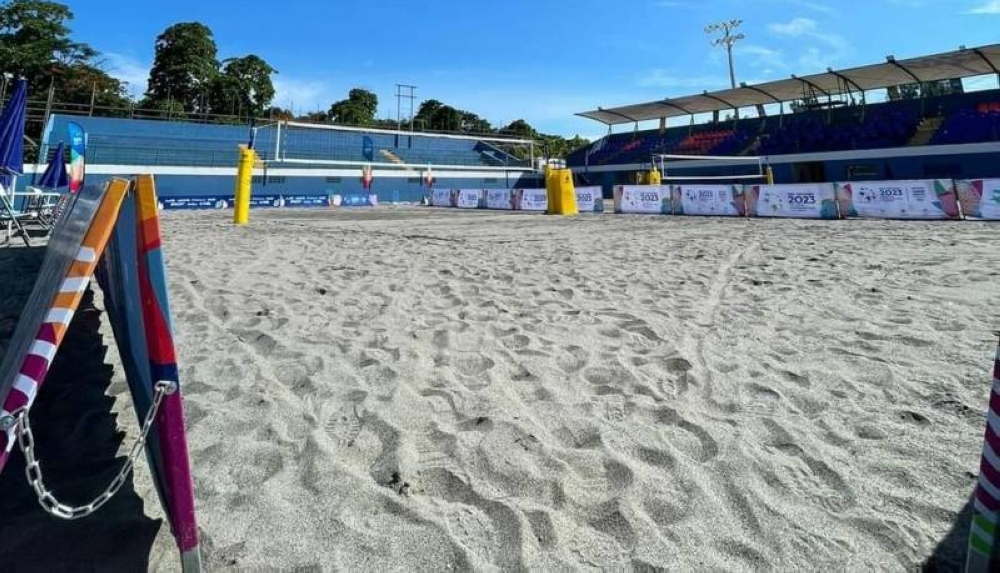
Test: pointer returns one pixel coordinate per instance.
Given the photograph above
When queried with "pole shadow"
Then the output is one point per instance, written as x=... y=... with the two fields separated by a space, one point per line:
x=77 y=443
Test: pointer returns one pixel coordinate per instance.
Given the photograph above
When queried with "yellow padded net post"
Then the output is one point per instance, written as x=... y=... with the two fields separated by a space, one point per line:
x=770 y=175
x=654 y=177
x=561 y=191
x=244 y=176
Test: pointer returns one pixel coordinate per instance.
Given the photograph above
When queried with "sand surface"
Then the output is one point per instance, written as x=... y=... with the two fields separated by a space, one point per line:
x=431 y=390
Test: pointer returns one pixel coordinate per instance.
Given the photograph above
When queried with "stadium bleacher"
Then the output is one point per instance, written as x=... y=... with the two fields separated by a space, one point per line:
x=967 y=118
x=970 y=126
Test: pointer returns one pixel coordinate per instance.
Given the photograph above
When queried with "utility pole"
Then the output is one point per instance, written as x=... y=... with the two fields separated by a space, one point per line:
x=728 y=40
x=400 y=96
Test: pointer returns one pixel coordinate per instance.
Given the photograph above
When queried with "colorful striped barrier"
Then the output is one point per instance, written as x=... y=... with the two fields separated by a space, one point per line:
x=132 y=276
x=19 y=387
x=112 y=234
x=982 y=554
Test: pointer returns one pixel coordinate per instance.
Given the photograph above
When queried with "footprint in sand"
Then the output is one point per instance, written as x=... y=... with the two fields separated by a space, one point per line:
x=573 y=359
x=473 y=529
x=691 y=440
x=516 y=342
x=473 y=365
x=344 y=425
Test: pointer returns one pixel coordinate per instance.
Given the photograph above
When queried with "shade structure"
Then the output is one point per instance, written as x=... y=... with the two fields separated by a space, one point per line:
x=12 y=131
x=961 y=63
x=55 y=175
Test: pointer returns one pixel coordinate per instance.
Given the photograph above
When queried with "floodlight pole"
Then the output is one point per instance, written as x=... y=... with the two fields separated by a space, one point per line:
x=728 y=40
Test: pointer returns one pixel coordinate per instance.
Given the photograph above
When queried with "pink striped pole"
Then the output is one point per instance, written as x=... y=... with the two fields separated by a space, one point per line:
x=981 y=556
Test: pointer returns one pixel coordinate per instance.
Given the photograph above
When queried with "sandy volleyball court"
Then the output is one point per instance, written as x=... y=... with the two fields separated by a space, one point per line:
x=430 y=390
x=433 y=390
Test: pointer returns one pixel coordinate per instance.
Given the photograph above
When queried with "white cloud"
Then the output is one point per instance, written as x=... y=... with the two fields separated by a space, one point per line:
x=830 y=49
x=761 y=57
x=813 y=6
x=127 y=69
x=660 y=78
x=797 y=27
x=301 y=95
x=992 y=7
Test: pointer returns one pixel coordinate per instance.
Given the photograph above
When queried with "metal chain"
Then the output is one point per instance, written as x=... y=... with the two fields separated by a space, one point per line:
x=33 y=471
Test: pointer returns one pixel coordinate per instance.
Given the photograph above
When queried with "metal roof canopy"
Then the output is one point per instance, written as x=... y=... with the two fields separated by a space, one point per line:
x=961 y=63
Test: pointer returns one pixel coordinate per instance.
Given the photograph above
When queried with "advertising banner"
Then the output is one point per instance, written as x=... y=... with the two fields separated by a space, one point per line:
x=441 y=197
x=714 y=200
x=980 y=198
x=589 y=199
x=499 y=199
x=469 y=198
x=915 y=199
x=531 y=199
x=643 y=199
x=801 y=201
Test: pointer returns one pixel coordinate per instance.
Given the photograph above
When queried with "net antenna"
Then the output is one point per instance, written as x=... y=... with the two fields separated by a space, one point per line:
x=318 y=145
x=661 y=161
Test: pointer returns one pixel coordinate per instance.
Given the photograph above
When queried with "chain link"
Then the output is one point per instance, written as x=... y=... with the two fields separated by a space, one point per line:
x=33 y=471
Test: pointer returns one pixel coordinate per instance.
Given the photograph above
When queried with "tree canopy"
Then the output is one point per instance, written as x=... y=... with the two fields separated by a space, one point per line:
x=359 y=108
x=184 y=66
x=243 y=87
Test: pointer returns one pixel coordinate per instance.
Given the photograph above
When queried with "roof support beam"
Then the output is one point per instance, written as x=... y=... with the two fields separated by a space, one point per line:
x=892 y=60
x=845 y=79
x=674 y=106
x=812 y=85
x=760 y=91
x=719 y=99
x=988 y=61
x=617 y=113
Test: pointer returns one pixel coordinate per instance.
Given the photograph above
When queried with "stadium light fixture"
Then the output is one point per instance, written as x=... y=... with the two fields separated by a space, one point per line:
x=728 y=40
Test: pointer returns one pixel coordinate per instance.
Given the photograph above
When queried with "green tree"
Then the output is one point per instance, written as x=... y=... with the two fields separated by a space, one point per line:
x=278 y=113
x=184 y=66
x=85 y=84
x=359 y=108
x=243 y=88
x=472 y=123
x=519 y=128
x=34 y=38
x=314 y=117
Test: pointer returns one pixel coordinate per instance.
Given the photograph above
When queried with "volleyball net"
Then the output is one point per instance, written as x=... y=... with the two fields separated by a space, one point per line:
x=667 y=163
x=306 y=144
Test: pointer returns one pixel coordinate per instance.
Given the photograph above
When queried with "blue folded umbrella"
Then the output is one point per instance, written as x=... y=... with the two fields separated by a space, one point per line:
x=12 y=131
x=55 y=175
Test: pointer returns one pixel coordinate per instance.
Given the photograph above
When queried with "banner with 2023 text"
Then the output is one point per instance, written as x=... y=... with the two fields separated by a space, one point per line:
x=709 y=200
x=642 y=199
x=799 y=201
x=914 y=199
x=588 y=199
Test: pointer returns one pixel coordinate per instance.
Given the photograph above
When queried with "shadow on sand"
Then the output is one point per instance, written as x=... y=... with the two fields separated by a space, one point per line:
x=77 y=441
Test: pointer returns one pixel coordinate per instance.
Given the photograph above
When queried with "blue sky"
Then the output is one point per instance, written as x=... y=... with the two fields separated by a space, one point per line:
x=540 y=60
